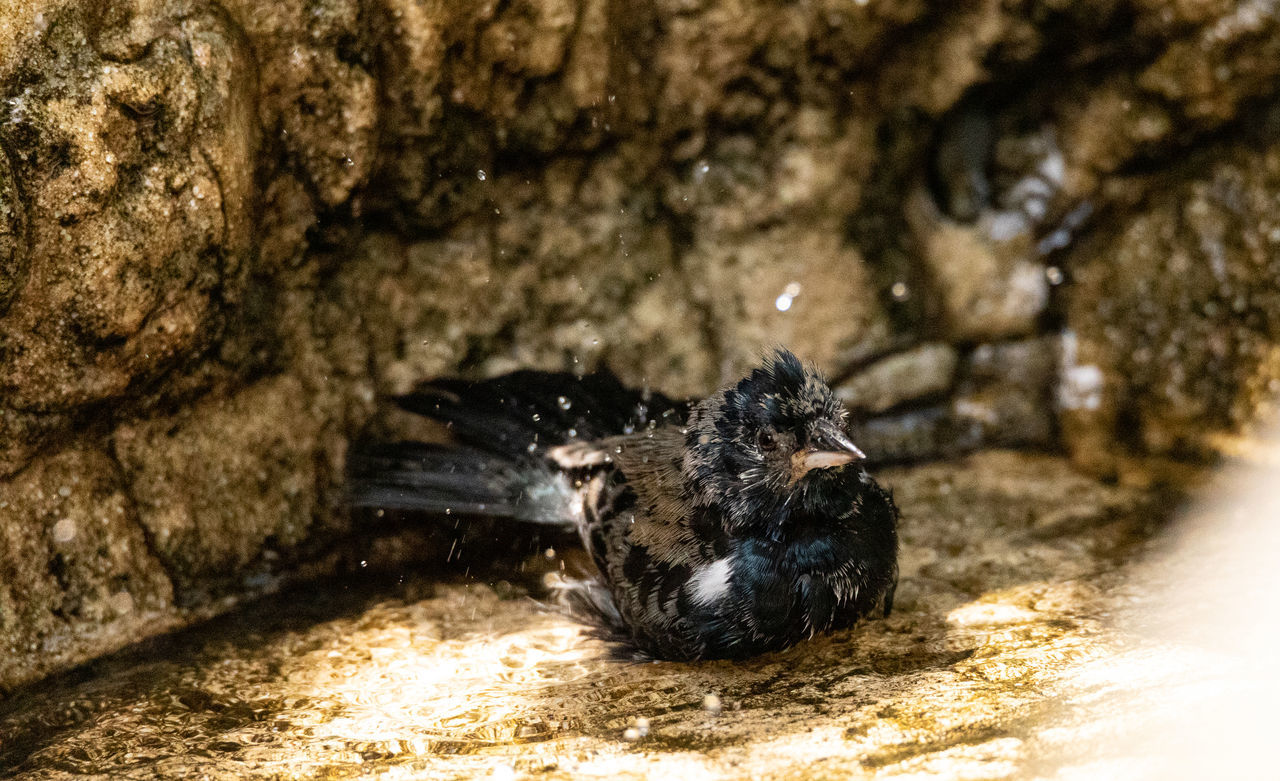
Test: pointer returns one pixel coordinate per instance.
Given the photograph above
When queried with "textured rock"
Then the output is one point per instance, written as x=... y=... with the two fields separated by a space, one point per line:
x=989 y=280
x=1006 y=394
x=1172 y=342
x=77 y=575
x=255 y=447
x=137 y=169
x=1011 y=564
x=923 y=372
x=1001 y=394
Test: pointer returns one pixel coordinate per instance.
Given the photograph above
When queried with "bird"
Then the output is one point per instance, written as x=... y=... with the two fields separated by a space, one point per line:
x=724 y=528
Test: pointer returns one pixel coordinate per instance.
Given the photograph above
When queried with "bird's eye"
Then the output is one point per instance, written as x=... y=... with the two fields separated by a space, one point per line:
x=767 y=440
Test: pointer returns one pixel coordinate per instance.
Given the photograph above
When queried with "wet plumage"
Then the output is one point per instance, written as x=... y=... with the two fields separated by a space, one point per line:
x=722 y=529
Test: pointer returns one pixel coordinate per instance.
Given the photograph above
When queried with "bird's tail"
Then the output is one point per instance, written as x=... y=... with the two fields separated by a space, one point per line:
x=502 y=430
x=447 y=479
x=527 y=412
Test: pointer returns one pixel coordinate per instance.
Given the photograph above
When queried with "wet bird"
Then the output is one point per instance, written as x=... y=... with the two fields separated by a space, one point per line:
x=725 y=528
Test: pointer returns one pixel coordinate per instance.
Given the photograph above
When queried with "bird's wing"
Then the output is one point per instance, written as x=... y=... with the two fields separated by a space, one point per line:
x=641 y=527
x=641 y=479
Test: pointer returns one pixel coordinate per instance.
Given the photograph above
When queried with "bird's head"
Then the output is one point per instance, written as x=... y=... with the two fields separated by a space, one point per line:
x=752 y=447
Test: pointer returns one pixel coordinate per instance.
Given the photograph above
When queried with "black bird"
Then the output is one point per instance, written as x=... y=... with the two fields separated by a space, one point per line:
x=722 y=529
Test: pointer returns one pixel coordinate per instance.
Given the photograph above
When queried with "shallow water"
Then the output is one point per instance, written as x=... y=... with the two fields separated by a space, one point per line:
x=1010 y=563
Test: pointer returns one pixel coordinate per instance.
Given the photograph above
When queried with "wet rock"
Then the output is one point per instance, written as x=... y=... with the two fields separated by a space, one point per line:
x=802 y=288
x=13 y=251
x=762 y=278
x=77 y=575
x=1172 y=333
x=1005 y=396
x=992 y=623
x=137 y=175
x=317 y=99
x=920 y=373
x=1002 y=397
x=989 y=279
x=260 y=447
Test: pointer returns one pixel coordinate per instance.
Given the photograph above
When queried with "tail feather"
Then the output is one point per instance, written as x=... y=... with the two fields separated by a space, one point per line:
x=441 y=480
x=502 y=429
x=528 y=411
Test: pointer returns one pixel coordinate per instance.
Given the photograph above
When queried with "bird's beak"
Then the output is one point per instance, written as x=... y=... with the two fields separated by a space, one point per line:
x=829 y=447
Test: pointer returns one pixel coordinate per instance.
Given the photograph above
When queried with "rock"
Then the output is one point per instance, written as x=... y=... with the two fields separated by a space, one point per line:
x=989 y=279
x=137 y=177
x=259 y=447
x=1002 y=397
x=1005 y=395
x=77 y=575
x=964 y=677
x=804 y=289
x=924 y=372
x=1172 y=331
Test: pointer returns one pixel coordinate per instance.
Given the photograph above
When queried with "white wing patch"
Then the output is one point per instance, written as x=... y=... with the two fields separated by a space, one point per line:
x=710 y=584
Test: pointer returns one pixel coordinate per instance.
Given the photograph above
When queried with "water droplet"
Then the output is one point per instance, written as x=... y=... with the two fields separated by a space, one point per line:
x=536 y=417
x=64 y=491
x=711 y=704
x=481 y=175
x=783 y=302
x=564 y=403
x=121 y=602
x=899 y=291
x=380 y=513
x=628 y=429
x=448 y=511
x=1054 y=275
x=532 y=447
x=550 y=553
x=64 y=530
x=363 y=563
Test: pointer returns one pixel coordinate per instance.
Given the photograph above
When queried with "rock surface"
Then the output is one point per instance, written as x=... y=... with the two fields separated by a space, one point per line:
x=1010 y=563
x=226 y=229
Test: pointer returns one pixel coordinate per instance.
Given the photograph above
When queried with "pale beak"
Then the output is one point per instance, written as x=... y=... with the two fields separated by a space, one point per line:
x=828 y=448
